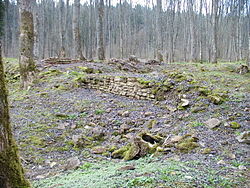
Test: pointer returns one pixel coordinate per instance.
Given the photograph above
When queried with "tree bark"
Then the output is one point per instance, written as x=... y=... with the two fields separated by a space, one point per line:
x=100 y=34
x=11 y=171
x=76 y=31
x=215 y=19
x=26 y=61
x=159 y=31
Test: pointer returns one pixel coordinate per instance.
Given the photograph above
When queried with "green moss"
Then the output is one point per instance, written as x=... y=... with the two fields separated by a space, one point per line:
x=216 y=99
x=143 y=82
x=204 y=91
x=206 y=151
x=187 y=143
x=51 y=72
x=235 y=125
x=151 y=123
x=120 y=153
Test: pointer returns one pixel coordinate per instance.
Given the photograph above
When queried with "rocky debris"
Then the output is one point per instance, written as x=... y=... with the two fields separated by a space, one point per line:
x=153 y=62
x=185 y=102
x=77 y=140
x=175 y=139
x=242 y=167
x=51 y=165
x=221 y=162
x=147 y=114
x=244 y=137
x=141 y=145
x=125 y=114
x=129 y=66
x=171 y=108
x=243 y=69
x=57 y=60
x=212 y=123
x=98 y=150
x=133 y=58
x=72 y=163
x=97 y=133
x=124 y=128
x=128 y=167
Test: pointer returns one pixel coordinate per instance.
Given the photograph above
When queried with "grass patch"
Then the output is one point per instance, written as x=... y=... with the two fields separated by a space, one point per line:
x=149 y=172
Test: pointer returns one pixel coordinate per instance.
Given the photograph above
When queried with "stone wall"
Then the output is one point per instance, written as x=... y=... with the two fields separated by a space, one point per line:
x=132 y=87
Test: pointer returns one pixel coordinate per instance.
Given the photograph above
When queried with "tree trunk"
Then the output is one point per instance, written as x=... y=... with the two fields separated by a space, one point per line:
x=26 y=61
x=159 y=31
x=215 y=20
x=62 y=52
x=11 y=171
x=100 y=34
x=76 y=31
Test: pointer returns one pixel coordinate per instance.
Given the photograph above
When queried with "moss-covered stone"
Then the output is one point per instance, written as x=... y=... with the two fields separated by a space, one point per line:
x=151 y=123
x=215 y=99
x=235 y=125
x=187 y=144
x=205 y=91
x=206 y=151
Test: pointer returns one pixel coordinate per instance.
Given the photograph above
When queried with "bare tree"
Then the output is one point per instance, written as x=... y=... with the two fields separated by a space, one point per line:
x=215 y=19
x=11 y=171
x=76 y=31
x=26 y=61
x=159 y=30
x=100 y=28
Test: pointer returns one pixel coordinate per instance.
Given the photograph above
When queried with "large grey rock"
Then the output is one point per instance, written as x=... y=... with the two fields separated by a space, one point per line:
x=72 y=163
x=212 y=123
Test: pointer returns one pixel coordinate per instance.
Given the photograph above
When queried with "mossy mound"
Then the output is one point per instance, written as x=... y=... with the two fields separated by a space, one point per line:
x=141 y=145
x=187 y=144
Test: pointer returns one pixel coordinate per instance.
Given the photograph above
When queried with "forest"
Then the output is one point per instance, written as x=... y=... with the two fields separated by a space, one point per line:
x=124 y=93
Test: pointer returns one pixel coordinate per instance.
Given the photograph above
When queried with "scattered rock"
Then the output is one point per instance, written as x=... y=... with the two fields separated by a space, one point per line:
x=221 y=162
x=52 y=164
x=215 y=99
x=77 y=140
x=97 y=133
x=98 y=150
x=128 y=167
x=242 y=167
x=133 y=58
x=125 y=114
x=243 y=69
x=244 y=137
x=72 y=163
x=62 y=126
x=185 y=102
x=40 y=177
x=212 y=123
x=153 y=62
x=206 y=151
x=124 y=127
x=73 y=126
x=148 y=114
x=171 y=108
x=175 y=139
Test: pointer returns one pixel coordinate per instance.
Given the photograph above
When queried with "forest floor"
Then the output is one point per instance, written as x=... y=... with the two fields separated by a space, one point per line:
x=56 y=108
